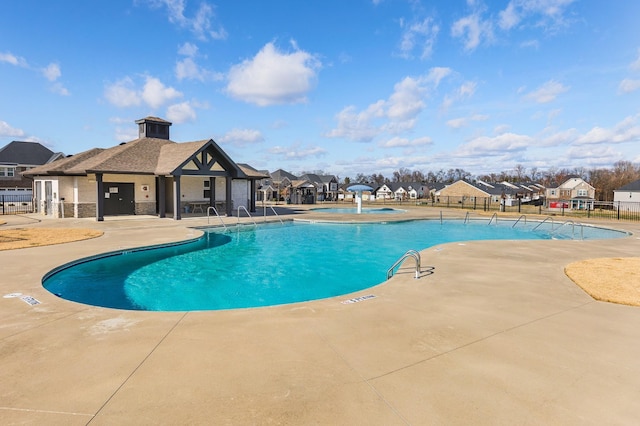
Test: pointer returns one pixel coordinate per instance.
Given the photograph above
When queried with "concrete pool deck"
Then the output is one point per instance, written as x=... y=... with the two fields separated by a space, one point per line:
x=496 y=335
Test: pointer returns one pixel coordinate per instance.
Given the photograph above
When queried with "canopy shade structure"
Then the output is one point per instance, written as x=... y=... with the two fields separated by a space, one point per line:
x=358 y=190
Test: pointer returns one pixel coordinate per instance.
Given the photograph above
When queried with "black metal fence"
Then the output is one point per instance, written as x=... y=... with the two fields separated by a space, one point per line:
x=613 y=210
x=16 y=203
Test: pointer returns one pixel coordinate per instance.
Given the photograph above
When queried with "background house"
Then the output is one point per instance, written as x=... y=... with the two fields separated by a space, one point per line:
x=308 y=188
x=574 y=193
x=15 y=188
x=627 y=197
x=401 y=191
x=18 y=157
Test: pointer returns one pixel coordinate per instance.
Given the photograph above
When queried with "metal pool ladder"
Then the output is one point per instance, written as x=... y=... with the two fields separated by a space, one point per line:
x=248 y=214
x=209 y=209
x=410 y=253
x=274 y=212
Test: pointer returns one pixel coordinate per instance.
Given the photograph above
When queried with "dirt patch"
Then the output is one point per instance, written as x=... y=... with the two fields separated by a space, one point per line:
x=33 y=237
x=615 y=280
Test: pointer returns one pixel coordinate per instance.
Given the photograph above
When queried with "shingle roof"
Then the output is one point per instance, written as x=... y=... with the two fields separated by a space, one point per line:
x=63 y=165
x=632 y=186
x=280 y=174
x=139 y=156
x=175 y=154
x=25 y=153
x=146 y=155
x=153 y=119
x=251 y=172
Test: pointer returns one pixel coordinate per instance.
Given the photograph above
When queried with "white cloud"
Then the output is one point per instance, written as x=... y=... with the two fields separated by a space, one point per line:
x=398 y=142
x=535 y=44
x=628 y=130
x=401 y=109
x=122 y=93
x=13 y=60
x=188 y=49
x=52 y=72
x=406 y=102
x=548 y=92
x=7 y=131
x=473 y=30
x=509 y=17
x=437 y=74
x=155 y=94
x=242 y=137
x=273 y=77
x=181 y=113
x=358 y=126
x=594 y=156
x=546 y=14
x=465 y=91
x=124 y=134
x=500 y=144
x=457 y=123
x=59 y=89
x=460 y=122
x=560 y=138
x=628 y=85
x=201 y=24
x=187 y=68
x=420 y=35
x=296 y=152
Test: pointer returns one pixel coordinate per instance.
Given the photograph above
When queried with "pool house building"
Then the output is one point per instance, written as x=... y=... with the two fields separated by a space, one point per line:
x=150 y=175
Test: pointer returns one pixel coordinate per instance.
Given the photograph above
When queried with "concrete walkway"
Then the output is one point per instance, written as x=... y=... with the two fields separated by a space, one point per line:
x=497 y=335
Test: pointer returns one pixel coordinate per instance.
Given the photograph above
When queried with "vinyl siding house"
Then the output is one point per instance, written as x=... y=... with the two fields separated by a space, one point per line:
x=306 y=189
x=574 y=194
x=18 y=157
x=463 y=191
x=627 y=197
x=151 y=175
x=326 y=186
x=401 y=191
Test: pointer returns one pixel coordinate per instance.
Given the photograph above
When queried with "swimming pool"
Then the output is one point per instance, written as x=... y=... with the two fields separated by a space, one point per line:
x=346 y=210
x=270 y=264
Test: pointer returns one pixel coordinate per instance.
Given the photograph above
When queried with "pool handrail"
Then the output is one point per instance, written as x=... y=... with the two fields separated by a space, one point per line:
x=274 y=212
x=409 y=253
x=516 y=222
x=546 y=219
x=216 y=212
x=248 y=214
x=573 y=228
x=495 y=215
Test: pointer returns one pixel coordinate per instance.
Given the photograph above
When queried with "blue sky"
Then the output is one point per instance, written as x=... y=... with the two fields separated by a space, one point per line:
x=342 y=86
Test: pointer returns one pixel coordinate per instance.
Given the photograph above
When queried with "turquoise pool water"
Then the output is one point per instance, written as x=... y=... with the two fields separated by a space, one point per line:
x=345 y=210
x=270 y=264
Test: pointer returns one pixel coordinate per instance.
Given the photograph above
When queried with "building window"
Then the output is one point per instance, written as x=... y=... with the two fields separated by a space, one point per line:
x=583 y=193
x=7 y=171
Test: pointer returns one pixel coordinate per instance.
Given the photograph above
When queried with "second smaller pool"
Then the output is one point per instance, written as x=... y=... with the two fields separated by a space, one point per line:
x=345 y=210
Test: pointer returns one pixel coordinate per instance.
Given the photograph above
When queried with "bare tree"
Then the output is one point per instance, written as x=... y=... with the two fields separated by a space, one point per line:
x=520 y=171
